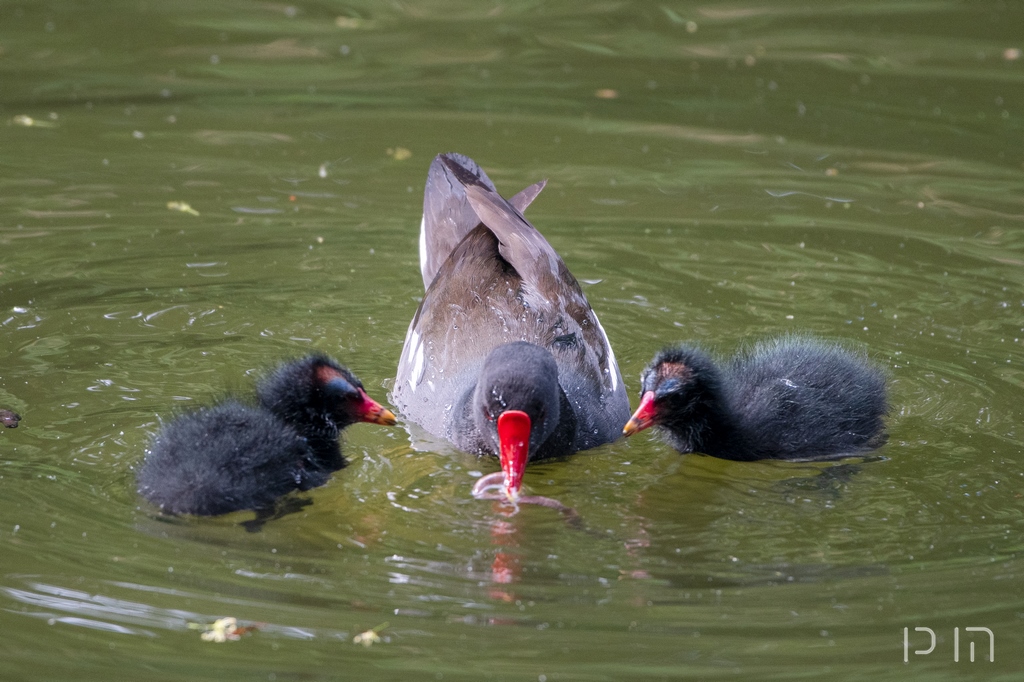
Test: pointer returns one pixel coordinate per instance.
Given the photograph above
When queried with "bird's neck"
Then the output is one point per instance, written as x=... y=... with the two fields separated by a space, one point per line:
x=708 y=425
x=561 y=440
x=322 y=436
x=461 y=428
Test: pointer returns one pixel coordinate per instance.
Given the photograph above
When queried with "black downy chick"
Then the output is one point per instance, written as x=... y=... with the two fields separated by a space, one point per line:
x=791 y=398
x=234 y=456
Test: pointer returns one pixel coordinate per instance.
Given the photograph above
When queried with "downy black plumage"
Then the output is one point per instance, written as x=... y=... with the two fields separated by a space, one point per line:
x=790 y=398
x=234 y=456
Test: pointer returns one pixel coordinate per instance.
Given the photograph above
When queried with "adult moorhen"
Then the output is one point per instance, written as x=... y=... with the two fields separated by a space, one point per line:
x=790 y=398
x=504 y=354
x=235 y=456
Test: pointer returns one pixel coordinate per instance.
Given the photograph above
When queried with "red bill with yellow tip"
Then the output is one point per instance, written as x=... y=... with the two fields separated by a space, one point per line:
x=369 y=410
x=645 y=416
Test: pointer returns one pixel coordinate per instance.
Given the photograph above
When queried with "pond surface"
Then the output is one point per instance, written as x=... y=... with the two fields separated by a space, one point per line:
x=718 y=172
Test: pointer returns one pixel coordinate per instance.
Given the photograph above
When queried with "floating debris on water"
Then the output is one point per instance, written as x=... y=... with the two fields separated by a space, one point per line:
x=28 y=121
x=9 y=419
x=181 y=206
x=399 y=153
x=222 y=630
x=352 y=22
x=370 y=637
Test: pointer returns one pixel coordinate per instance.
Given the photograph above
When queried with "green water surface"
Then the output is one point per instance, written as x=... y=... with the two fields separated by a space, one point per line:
x=718 y=172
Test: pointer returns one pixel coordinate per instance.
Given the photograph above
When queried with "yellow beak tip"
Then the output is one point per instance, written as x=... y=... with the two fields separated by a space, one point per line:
x=385 y=418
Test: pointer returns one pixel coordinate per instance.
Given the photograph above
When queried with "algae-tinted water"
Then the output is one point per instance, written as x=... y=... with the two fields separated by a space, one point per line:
x=718 y=173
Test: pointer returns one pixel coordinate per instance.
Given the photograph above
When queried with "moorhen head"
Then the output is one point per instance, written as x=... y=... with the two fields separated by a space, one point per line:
x=515 y=406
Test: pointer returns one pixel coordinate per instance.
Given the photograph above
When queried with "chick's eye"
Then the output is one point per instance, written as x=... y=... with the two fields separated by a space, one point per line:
x=341 y=389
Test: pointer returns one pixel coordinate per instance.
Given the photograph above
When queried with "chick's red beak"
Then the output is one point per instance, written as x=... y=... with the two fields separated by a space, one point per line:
x=514 y=442
x=646 y=415
x=369 y=410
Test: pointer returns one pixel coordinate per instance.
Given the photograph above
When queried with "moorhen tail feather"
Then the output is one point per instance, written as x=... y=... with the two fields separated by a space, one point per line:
x=791 y=398
x=447 y=214
x=235 y=456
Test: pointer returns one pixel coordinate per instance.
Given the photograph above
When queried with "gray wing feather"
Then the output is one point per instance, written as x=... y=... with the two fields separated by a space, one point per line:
x=447 y=215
